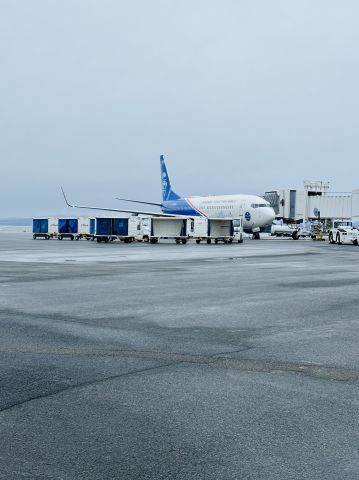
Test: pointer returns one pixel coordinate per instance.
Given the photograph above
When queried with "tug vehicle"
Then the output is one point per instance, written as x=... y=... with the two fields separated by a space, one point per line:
x=343 y=232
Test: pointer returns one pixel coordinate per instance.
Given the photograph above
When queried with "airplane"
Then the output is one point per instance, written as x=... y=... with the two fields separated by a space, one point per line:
x=256 y=211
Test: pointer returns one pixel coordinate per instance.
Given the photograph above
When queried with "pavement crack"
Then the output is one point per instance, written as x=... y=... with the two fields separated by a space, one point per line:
x=219 y=360
x=88 y=383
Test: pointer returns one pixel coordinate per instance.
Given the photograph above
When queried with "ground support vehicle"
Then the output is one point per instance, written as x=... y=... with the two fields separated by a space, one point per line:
x=343 y=232
x=110 y=229
x=86 y=228
x=40 y=228
x=197 y=229
x=152 y=229
x=301 y=233
x=281 y=231
x=317 y=232
x=67 y=228
x=220 y=230
x=238 y=230
x=53 y=227
x=45 y=228
x=180 y=229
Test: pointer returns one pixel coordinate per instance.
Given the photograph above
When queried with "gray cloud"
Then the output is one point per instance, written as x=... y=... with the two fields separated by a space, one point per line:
x=241 y=96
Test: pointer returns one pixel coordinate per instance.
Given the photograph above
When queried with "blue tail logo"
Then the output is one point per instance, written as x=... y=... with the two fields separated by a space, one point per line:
x=167 y=192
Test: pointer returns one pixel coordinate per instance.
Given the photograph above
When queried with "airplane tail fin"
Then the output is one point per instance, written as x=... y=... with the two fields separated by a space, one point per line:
x=167 y=192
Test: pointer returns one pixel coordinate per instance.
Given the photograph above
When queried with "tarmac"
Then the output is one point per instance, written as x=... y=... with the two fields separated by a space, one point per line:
x=138 y=361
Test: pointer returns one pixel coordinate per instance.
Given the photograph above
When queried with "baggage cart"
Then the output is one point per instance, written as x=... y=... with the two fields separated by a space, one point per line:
x=40 y=228
x=67 y=228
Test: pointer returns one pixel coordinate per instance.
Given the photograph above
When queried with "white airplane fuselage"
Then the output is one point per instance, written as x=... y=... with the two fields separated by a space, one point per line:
x=256 y=211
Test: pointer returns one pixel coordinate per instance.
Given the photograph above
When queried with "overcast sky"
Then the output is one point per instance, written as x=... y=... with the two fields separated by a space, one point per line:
x=240 y=96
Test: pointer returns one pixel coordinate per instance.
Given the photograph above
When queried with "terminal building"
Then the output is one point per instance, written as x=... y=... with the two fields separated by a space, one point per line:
x=313 y=202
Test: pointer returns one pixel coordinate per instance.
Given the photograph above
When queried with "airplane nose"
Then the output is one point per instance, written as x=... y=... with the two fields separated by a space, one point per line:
x=269 y=215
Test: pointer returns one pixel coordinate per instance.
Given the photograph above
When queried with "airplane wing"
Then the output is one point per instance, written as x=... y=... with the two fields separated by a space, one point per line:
x=136 y=212
x=139 y=201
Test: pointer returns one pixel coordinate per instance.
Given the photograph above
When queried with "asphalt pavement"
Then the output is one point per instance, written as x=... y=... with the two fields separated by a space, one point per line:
x=178 y=362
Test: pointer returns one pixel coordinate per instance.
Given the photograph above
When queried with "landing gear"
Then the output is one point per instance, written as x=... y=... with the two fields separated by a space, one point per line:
x=256 y=236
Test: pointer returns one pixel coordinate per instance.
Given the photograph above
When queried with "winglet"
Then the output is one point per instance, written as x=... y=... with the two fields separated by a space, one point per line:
x=67 y=203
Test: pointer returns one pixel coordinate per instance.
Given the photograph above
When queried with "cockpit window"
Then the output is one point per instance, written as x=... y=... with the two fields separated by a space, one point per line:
x=259 y=205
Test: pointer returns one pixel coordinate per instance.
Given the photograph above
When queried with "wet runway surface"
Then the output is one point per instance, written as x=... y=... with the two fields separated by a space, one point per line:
x=178 y=361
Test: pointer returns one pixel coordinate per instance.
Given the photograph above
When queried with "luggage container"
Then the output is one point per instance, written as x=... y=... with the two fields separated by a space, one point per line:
x=169 y=228
x=220 y=230
x=53 y=227
x=103 y=229
x=86 y=228
x=109 y=229
x=152 y=229
x=40 y=228
x=197 y=228
x=68 y=228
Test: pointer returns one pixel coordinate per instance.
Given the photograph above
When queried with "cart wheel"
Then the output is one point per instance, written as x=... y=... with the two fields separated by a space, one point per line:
x=209 y=241
x=177 y=241
x=47 y=237
x=240 y=241
x=216 y=241
x=34 y=237
x=77 y=237
x=198 y=241
x=99 y=240
x=72 y=237
x=184 y=241
x=230 y=240
x=59 y=237
x=107 y=240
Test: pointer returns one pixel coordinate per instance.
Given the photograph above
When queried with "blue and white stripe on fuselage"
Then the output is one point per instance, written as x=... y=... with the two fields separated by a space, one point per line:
x=256 y=211
x=182 y=206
